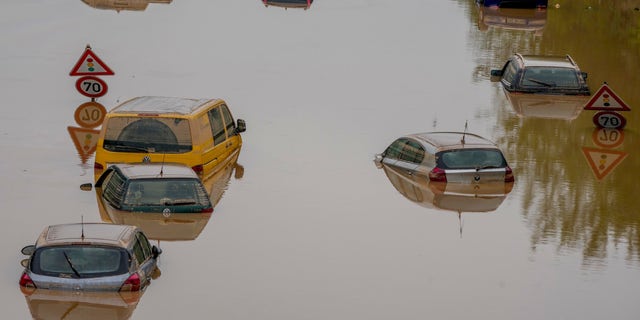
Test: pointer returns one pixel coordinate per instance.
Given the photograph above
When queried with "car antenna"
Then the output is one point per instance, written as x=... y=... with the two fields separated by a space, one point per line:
x=82 y=227
x=162 y=165
x=466 y=125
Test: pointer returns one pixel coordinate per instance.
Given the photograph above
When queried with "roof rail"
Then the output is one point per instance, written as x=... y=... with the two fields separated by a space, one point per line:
x=520 y=56
x=571 y=60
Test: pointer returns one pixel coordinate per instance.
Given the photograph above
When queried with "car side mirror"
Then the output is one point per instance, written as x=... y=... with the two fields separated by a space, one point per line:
x=28 y=250
x=155 y=251
x=378 y=160
x=584 y=75
x=24 y=262
x=496 y=73
x=241 y=126
x=85 y=187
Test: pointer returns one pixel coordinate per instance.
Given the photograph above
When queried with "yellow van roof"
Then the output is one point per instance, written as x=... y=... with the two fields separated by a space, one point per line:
x=155 y=104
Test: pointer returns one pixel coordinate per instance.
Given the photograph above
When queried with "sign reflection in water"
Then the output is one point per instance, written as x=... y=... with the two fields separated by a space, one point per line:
x=455 y=197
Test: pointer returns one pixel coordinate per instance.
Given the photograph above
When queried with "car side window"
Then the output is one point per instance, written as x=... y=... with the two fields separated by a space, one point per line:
x=138 y=252
x=113 y=190
x=509 y=73
x=395 y=149
x=412 y=152
x=144 y=243
x=217 y=126
x=228 y=121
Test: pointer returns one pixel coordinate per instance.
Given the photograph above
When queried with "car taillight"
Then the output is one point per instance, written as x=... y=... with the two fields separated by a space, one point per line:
x=508 y=175
x=199 y=169
x=437 y=174
x=25 y=281
x=207 y=210
x=131 y=284
x=97 y=168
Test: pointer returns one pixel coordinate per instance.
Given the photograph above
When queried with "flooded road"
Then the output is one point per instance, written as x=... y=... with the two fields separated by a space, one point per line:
x=311 y=229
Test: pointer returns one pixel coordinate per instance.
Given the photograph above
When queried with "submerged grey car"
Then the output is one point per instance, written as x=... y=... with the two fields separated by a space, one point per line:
x=91 y=257
x=455 y=157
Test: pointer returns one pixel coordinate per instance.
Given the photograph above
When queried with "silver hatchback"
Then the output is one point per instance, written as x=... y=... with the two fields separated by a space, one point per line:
x=454 y=157
x=91 y=257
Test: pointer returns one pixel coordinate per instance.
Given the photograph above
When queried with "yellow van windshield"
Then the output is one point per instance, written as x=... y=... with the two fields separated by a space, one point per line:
x=150 y=135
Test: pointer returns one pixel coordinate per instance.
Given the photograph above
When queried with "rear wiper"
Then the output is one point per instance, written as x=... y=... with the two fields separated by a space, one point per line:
x=71 y=264
x=123 y=147
x=547 y=84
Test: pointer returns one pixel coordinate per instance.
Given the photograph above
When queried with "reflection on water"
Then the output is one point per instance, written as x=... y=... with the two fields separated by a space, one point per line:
x=532 y=20
x=176 y=226
x=52 y=304
x=575 y=194
x=459 y=198
x=547 y=106
x=300 y=4
x=131 y=5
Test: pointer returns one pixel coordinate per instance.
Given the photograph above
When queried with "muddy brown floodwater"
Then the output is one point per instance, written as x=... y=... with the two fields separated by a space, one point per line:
x=309 y=228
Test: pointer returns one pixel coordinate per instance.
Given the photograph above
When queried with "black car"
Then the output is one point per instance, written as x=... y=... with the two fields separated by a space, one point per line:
x=542 y=74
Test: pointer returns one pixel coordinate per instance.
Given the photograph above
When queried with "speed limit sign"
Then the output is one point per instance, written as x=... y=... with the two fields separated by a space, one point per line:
x=609 y=120
x=91 y=86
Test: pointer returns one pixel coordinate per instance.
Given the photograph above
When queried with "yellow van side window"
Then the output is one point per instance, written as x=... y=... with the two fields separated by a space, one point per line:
x=217 y=126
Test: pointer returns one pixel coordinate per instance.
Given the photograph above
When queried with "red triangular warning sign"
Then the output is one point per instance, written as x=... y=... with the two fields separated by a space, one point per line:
x=85 y=141
x=606 y=99
x=90 y=64
x=602 y=162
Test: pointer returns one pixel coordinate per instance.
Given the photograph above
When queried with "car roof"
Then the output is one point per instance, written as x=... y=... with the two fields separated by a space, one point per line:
x=548 y=61
x=162 y=105
x=453 y=140
x=87 y=233
x=155 y=170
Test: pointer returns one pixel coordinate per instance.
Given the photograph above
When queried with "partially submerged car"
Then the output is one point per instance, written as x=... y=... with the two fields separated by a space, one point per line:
x=456 y=157
x=512 y=19
x=151 y=188
x=542 y=74
x=118 y=5
x=90 y=257
x=514 y=3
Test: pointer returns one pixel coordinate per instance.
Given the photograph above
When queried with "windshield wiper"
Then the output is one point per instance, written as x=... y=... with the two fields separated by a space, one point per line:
x=125 y=148
x=71 y=264
x=546 y=84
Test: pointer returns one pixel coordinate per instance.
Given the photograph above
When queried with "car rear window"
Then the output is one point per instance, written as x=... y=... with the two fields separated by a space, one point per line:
x=471 y=159
x=550 y=77
x=166 y=191
x=80 y=261
x=150 y=135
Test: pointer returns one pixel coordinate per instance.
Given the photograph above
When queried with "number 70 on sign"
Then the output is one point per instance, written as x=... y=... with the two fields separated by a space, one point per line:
x=91 y=86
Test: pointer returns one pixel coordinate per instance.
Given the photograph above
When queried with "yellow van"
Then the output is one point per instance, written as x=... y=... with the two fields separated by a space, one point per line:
x=200 y=133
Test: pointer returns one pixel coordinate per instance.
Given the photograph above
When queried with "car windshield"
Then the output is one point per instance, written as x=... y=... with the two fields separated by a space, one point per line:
x=166 y=191
x=471 y=159
x=80 y=261
x=550 y=77
x=149 y=135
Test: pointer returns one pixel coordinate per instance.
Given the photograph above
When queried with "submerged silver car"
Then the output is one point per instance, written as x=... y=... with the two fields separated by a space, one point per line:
x=91 y=257
x=455 y=157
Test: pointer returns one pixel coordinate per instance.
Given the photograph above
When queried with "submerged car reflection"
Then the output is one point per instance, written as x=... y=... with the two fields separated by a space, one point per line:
x=548 y=106
x=542 y=74
x=302 y=4
x=512 y=19
x=58 y=304
x=90 y=257
x=132 y=5
x=477 y=197
x=514 y=3
x=448 y=157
